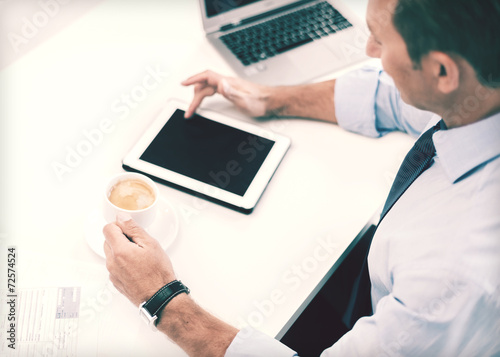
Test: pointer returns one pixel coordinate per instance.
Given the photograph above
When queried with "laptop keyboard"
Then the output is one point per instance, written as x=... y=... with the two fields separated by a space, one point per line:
x=283 y=33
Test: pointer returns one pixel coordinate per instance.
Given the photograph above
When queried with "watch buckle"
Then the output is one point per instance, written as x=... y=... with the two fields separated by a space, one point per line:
x=146 y=316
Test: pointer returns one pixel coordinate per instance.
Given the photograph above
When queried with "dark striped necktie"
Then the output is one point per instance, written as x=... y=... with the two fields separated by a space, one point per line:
x=418 y=159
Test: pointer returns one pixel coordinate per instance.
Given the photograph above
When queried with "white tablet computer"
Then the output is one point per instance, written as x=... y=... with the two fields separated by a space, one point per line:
x=210 y=155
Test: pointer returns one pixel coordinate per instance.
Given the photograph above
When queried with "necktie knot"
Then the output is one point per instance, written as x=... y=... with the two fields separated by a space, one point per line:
x=424 y=144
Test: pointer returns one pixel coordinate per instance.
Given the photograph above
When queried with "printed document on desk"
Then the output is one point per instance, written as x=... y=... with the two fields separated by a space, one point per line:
x=45 y=322
x=57 y=308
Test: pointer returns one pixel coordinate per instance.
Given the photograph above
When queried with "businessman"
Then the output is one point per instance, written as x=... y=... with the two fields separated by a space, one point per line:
x=434 y=262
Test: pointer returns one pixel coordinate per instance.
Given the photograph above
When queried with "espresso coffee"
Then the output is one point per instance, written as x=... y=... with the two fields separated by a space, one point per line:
x=132 y=195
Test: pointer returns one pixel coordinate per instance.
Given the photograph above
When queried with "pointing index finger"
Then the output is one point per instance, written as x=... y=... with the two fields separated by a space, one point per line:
x=209 y=77
x=197 y=78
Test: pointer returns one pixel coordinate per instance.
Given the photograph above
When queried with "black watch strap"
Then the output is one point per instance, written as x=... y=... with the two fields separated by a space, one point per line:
x=160 y=299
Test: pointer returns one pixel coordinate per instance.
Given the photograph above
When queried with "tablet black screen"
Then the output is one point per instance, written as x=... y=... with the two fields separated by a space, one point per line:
x=208 y=151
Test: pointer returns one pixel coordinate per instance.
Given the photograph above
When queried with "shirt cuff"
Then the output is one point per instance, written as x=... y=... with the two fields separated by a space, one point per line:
x=354 y=96
x=252 y=343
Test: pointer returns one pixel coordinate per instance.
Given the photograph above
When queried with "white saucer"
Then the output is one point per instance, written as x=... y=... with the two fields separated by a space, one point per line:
x=164 y=228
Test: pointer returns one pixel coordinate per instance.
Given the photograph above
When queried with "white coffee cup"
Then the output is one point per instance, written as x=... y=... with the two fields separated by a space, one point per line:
x=134 y=194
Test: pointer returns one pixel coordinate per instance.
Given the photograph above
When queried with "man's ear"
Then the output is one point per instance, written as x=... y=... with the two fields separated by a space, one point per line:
x=445 y=70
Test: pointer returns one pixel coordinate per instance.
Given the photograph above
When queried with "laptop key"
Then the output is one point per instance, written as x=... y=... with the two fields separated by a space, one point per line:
x=293 y=45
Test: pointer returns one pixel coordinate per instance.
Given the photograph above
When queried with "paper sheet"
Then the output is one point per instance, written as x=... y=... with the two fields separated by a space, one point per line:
x=46 y=322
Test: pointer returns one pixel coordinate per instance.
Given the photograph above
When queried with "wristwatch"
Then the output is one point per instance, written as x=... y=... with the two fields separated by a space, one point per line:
x=149 y=309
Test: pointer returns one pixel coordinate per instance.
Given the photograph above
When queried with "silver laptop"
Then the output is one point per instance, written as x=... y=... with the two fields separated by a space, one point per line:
x=284 y=41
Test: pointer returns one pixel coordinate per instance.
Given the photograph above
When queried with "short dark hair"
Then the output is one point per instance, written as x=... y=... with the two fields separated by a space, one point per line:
x=467 y=28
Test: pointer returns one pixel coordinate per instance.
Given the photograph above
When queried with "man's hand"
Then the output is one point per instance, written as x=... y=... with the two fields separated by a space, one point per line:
x=137 y=264
x=139 y=267
x=314 y=100
x=249 y=97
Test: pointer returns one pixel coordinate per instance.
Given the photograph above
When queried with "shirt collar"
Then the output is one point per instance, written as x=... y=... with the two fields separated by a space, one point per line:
x=462 y=149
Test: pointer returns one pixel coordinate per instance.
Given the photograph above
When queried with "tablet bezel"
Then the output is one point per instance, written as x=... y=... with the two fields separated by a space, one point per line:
x=245 y=203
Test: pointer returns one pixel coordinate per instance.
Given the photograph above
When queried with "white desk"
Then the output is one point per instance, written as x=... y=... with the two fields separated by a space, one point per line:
x=327 y=188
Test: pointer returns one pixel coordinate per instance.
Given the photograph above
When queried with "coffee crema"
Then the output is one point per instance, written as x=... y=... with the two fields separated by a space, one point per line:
x=132 y=195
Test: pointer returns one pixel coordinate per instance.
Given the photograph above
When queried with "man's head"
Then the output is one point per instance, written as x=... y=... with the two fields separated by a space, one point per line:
x=468 y=29
x=437 y=51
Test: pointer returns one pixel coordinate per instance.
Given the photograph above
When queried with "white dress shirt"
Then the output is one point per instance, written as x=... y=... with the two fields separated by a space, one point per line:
x=434 y=261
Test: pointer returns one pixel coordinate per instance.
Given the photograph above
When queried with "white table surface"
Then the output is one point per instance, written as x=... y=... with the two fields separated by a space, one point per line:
x=77 y=75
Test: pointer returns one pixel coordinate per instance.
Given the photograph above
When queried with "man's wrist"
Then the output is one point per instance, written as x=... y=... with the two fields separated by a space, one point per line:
x=314 y=101
x=276 y=101
x=150 y=309
x=173 y=316
x=178 y=304
x=194 y=329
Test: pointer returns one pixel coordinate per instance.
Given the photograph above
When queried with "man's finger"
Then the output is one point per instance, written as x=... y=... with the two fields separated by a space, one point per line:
x=197 y=78
x=113 y=235
x=108 y=252
x=208 y=77
x=131 y=229
x=199 y=95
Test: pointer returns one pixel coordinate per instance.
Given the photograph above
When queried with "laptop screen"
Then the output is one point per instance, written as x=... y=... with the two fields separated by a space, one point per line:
x=216 y=7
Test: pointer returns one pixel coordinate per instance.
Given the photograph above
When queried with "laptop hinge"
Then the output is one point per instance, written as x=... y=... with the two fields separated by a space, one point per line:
x=230 y=26
x=264 y=15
